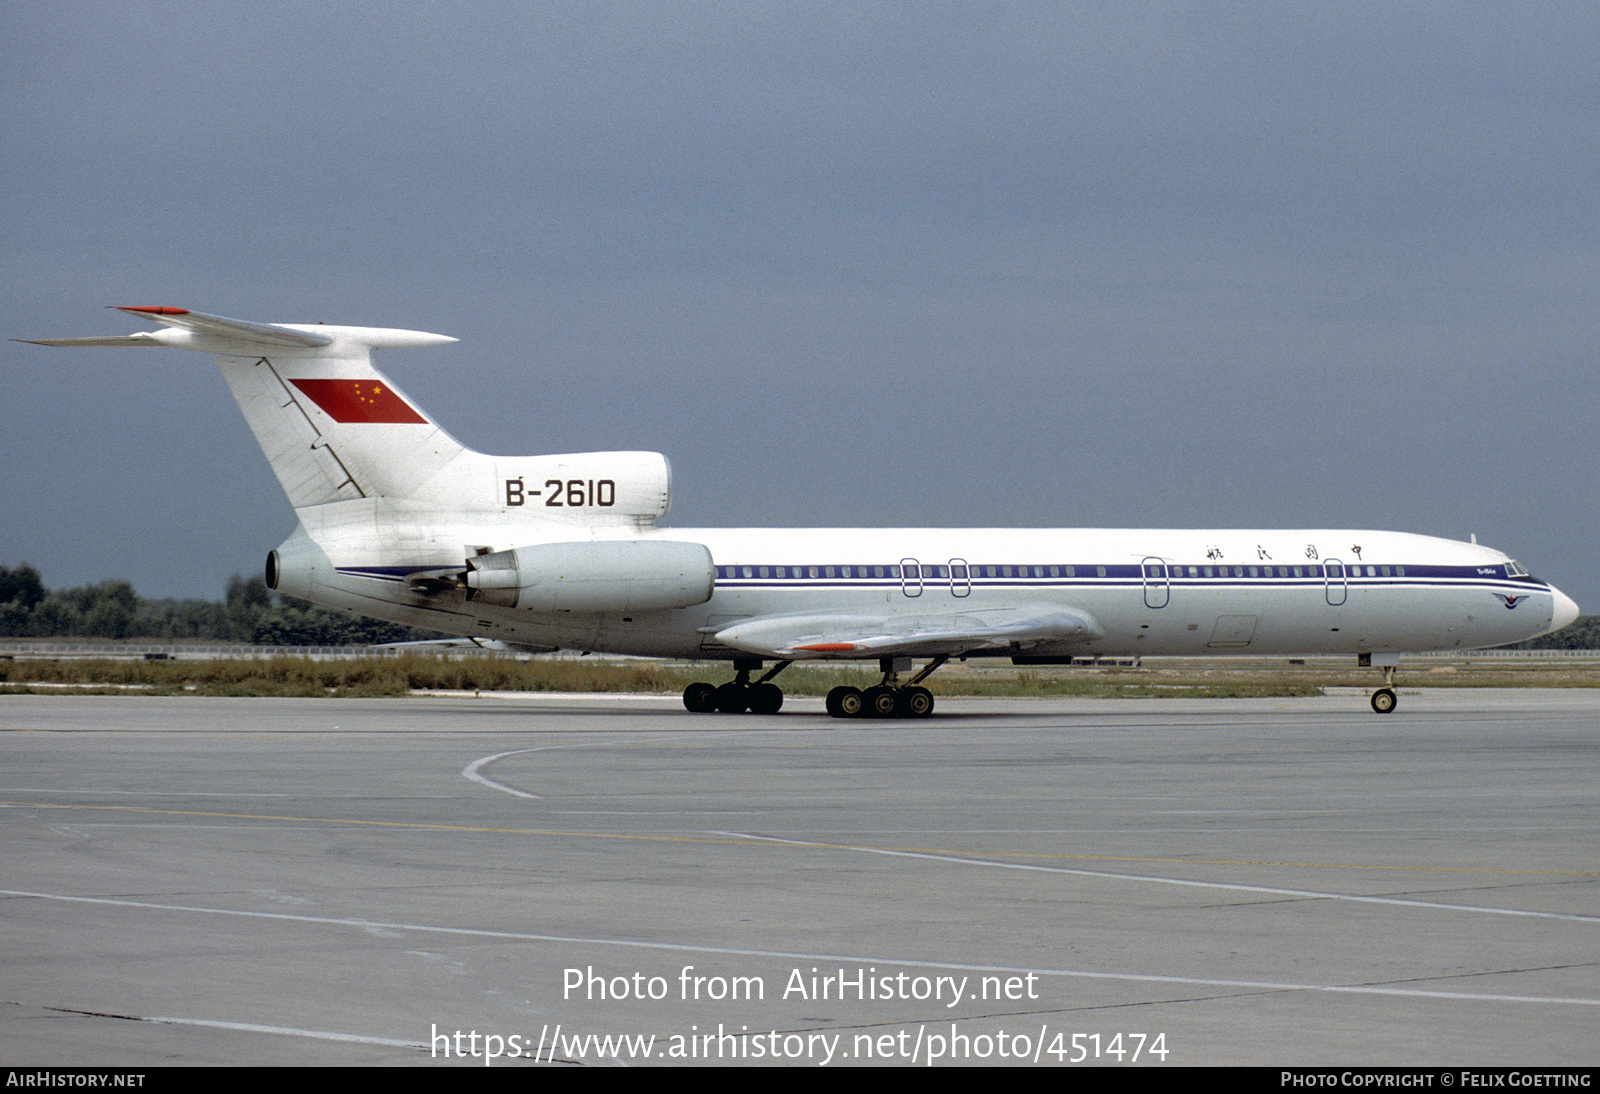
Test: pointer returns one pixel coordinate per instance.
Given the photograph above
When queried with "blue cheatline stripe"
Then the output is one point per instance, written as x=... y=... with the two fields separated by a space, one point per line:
x=1106 y=583
x=1116 y=576
x=1090 y=572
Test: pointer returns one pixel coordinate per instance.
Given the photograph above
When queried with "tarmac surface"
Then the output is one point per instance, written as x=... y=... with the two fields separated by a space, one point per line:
x=1275 y=881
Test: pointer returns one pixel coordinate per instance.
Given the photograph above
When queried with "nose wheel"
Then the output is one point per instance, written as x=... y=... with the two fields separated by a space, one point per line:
x=1384 y=699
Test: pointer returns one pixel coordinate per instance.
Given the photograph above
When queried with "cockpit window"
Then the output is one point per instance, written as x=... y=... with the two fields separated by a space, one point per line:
x=1516 y=569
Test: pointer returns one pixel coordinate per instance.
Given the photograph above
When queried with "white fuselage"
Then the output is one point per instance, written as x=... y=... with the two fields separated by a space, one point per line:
x=1147 y=592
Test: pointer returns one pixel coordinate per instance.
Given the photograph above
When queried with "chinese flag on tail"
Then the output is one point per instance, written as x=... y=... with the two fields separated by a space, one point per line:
x=348 y=401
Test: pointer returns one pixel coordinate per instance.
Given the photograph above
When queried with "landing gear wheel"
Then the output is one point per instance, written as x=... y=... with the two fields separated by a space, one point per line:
x=733 y=698
x=1384 y=700
x=765 y=698
x=700 y=698
x=914 y=703
x=879 y=702
x=845 y=702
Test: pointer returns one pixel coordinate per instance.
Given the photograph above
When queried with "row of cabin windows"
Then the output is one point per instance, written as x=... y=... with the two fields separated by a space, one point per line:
x=1282 y=571
x=962 y=573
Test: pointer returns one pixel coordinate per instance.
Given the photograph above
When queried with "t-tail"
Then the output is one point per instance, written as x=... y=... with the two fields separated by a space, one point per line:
x=379 y=487
x=333 y=427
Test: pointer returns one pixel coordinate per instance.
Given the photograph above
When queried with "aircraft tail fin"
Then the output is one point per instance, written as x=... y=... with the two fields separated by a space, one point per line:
x=332 y=426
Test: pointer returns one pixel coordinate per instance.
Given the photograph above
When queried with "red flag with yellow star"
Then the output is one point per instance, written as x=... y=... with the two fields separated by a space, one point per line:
x=347 y=401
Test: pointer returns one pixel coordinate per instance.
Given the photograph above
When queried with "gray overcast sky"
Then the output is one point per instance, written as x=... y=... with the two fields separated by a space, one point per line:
x=1064 y=264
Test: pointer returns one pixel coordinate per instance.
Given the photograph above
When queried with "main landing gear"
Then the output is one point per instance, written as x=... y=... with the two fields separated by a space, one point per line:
x=739 y=694
x=890 y=698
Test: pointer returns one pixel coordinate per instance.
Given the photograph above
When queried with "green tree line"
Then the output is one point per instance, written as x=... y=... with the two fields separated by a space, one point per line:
x=1581 y=634
x=248 y=612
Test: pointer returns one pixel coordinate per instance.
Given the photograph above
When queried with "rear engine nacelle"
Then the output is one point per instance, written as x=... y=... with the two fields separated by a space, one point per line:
x=596 y=576
x=297 y=565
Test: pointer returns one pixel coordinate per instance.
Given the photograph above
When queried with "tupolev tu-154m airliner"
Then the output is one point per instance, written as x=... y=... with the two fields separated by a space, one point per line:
x=400 y=521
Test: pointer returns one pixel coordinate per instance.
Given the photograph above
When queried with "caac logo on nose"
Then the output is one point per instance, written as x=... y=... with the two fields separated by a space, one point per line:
x=1511 y=601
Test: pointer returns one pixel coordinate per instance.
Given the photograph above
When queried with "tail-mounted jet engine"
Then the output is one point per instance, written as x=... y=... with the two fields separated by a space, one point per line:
x=593 y=576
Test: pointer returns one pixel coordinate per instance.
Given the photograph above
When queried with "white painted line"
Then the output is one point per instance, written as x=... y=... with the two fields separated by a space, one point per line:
x=287 y=1031
x=786 y=955
x=473 y=771
x=1227 y=885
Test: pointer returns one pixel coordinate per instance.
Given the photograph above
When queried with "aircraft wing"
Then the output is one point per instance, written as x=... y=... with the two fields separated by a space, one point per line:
x=848 y=636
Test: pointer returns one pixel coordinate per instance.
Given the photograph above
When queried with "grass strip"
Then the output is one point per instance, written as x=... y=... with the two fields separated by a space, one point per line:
x=411 y=672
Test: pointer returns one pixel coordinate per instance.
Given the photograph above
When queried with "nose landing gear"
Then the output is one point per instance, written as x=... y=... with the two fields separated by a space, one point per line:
x=1384 y=699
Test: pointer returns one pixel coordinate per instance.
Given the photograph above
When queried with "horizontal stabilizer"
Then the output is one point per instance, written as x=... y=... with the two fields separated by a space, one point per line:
x=185 y=329
x=238 y=329
x=110 y=341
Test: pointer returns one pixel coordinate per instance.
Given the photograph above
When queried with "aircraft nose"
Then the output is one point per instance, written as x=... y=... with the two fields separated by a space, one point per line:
x=1564 y=611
